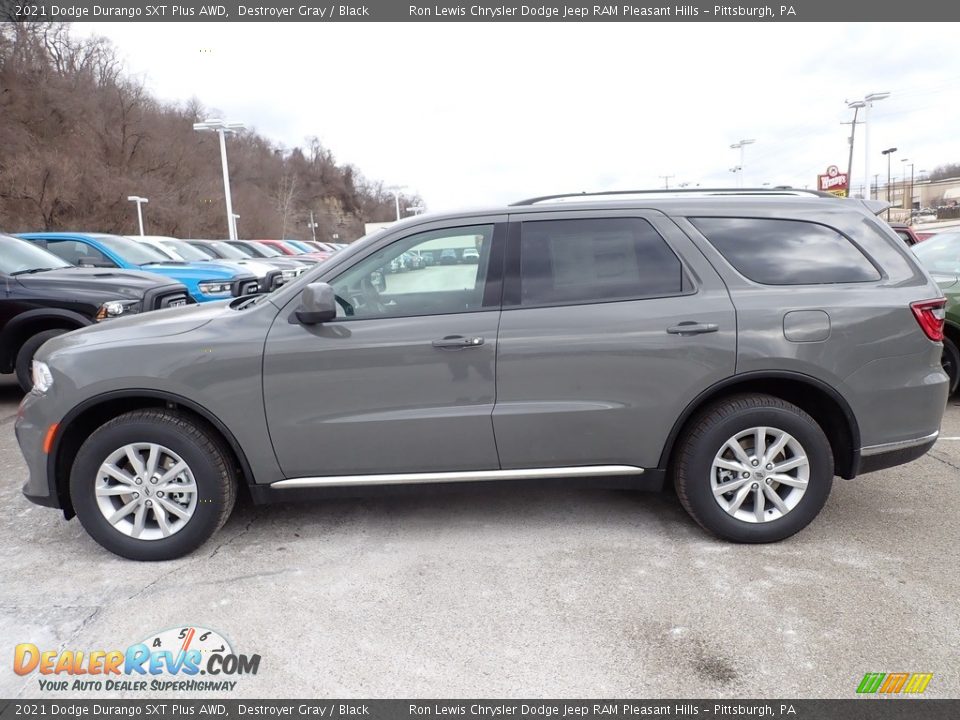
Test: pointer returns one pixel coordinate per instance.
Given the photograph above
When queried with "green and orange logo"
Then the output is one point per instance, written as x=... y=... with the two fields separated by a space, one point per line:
x=894 y=683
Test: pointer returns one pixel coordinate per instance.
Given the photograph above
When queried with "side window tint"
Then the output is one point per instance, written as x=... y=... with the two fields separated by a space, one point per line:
x=438 y=272
x=75 y=252
x=787 y=252
x=595 y=260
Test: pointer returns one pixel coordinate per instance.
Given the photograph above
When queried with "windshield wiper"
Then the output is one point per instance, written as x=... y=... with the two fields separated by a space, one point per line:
x=30 y=272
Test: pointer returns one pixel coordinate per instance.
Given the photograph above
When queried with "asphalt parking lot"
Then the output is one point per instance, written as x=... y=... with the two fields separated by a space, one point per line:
x=494 y=593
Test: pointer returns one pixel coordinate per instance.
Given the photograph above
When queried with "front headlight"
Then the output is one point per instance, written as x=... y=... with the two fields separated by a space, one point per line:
x=288 y=274
x=42 y=378
x=215 y=288
x=117 y=308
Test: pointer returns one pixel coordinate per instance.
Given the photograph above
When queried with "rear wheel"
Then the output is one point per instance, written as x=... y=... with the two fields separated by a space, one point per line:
x=753 y=469
x=26 y=353
x=152 y=485
x=950 y=360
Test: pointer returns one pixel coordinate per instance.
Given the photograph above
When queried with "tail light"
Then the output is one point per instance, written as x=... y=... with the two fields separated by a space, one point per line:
x=930 y=314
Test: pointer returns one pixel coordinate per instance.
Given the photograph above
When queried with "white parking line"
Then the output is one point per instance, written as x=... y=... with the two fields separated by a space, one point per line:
x=949 y=438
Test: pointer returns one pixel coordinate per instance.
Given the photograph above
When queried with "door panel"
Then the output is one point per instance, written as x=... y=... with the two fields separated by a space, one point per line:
x=602 y=383
x=403 y=380
x=375 y=396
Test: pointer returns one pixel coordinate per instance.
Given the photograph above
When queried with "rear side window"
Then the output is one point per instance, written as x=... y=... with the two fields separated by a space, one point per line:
x=595 y=260
x=787 y=252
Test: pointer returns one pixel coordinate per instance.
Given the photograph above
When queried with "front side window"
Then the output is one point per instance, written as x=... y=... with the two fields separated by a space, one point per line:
x=787 y=252
x=78 y=253
x=399 y=281
x=595 y=260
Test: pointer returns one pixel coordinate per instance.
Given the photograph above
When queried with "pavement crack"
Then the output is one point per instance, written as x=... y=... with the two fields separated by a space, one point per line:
x=936 y=456
x=236 y=537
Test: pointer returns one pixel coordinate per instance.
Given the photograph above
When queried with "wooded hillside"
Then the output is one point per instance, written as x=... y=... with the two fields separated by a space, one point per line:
x=78 y=135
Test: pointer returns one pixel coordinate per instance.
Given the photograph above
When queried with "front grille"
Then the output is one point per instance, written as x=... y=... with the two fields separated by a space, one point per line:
x=247 y=286
x=165 y=297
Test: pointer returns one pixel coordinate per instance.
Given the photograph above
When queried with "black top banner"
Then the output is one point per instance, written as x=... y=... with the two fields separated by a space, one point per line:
x=472 y=11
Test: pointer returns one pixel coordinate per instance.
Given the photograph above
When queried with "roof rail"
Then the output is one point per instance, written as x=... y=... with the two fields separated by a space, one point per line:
x=778 y=190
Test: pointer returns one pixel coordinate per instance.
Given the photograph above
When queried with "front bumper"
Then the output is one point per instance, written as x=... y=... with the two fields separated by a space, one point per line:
x=31 y=429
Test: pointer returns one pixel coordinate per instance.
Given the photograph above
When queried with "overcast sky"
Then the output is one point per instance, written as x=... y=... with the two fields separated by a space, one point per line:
x=471 y=113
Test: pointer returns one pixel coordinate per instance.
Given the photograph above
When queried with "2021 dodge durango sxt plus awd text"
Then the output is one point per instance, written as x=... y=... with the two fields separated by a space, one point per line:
x=747 y=347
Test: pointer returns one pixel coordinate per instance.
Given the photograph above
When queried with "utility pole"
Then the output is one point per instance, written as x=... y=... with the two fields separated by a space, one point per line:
x=313 y=226
x=666 y=181
x=876 y=187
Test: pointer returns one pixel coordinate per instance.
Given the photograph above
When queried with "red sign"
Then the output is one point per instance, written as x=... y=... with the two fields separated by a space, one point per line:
x=834 y=182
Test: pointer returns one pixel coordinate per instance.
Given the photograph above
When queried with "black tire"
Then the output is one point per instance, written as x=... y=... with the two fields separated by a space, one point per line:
x=950 y=360
x=26 y=353
x=204 y=452
x=706 y=435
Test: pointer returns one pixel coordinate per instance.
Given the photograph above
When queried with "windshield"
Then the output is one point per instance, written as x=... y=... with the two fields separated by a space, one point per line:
x=185 y=250
x=940 y=253
x=265 y=250
x=227 y=250
x=132 y=251
x=293 y=247
x=19 y=256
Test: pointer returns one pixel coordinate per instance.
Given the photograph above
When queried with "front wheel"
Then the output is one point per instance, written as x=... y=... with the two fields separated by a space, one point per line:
x=753 y=469
x=152 y=484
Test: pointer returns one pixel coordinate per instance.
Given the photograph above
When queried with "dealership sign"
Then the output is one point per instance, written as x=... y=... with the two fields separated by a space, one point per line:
x=834 y=182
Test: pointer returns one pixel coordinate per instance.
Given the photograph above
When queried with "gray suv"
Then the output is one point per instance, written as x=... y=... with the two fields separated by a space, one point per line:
x=745 y=346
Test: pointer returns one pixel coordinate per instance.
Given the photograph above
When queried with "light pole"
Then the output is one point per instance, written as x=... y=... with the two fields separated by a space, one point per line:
x=313 y=226
x=395 y=189
x=222 y=127
x=234 y=217
x=868 y=101
x=736 y=169
x=666 y=181
x=856 y=105
x=139 y=201
x=905 y=160
x=739 y=146
x=889 y=153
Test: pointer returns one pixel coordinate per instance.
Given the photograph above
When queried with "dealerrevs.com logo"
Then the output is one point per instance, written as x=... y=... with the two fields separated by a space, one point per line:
x=179 y=659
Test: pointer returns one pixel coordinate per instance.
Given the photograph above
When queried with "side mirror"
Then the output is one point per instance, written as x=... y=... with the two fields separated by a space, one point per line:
x=318 y=304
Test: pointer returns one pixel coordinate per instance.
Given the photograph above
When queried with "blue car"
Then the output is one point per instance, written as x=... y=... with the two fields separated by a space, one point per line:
x=204 y=281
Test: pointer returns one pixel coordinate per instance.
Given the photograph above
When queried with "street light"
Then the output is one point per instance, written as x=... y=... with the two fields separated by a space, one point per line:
x=868 y=102
x=139 y=201
x=736 y=169
x=395 y=189
x=222 y=127
x=739 y=146
x=889 y=153
x=235 y=217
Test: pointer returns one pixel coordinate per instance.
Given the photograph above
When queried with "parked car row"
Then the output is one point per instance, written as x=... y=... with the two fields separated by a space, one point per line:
x=46 y=296
x=61 y=281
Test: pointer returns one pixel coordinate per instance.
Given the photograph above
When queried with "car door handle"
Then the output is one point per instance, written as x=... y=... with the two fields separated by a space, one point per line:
x=457 y=342
x=693 y=328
